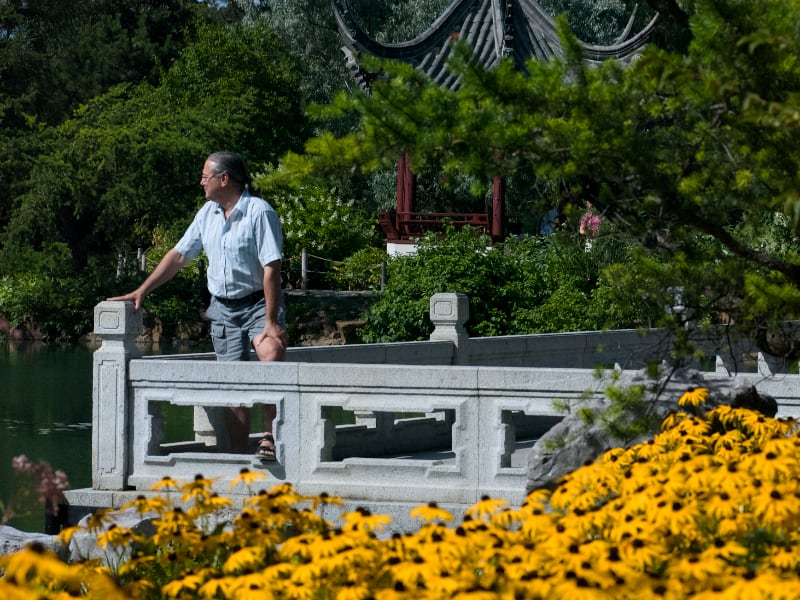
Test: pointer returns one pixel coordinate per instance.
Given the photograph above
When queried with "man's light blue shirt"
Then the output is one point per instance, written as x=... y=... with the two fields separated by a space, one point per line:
x=238 y=247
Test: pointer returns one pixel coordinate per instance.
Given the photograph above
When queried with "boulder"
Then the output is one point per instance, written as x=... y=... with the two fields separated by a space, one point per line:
x=12 y=540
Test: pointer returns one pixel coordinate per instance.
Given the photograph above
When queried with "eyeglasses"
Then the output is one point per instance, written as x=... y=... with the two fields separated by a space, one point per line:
x=205 y=178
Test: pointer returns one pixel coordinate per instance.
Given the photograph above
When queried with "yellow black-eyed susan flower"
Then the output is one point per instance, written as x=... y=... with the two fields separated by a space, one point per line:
x=166 y=484
x=431 y=512
x=366 y=521
x=693 y=397
x=247 y=478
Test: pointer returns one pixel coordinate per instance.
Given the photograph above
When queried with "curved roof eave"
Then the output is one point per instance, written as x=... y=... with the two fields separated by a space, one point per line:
x=450 y=21
x=622 y=50
x=525 y=31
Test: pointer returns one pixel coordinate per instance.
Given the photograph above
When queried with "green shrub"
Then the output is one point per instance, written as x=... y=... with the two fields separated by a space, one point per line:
x=326 y=226
x=461 y=261
x=23 y=297
x=361 y=271
x=532 y=284
x=61 y=308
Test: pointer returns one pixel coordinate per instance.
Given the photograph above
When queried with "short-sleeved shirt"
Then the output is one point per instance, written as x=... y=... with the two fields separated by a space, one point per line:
x=237 y=248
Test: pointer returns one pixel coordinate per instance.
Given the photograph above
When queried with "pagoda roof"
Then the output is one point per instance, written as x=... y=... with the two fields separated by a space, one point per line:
x=495 y=29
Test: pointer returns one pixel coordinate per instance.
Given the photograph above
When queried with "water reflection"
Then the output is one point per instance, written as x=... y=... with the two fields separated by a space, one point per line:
x=46 y=412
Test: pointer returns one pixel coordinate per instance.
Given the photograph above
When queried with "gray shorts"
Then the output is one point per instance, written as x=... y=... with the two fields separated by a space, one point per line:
x=234 y=326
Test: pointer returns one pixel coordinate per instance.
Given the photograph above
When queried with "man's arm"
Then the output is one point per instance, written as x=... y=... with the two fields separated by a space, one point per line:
x=272 y=295
x=166 y=269
x=271 y=343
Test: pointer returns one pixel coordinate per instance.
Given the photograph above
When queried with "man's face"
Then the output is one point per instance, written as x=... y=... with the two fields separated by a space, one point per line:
x=210 y=180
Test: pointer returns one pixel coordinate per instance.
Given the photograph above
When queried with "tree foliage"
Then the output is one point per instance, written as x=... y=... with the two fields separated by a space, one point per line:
x=56 y=55
x=693 y=154
x=125 y=166
x=129 y=159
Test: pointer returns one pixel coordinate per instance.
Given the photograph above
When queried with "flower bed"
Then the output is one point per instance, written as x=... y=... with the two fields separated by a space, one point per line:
x=709 y=508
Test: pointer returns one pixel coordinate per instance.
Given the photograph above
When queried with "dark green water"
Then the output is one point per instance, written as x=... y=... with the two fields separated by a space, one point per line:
x=45 y=414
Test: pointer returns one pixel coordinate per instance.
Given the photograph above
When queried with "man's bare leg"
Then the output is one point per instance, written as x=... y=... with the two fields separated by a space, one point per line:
x=268 y=349
x=237 y=420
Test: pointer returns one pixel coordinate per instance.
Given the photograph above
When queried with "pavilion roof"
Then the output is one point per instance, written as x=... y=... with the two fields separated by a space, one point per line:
x=493 y=28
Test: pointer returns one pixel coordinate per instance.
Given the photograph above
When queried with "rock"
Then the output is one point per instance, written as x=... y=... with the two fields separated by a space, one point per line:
x=12 y=540
x=83 y=545
x=746 y=396
x=348 y=331
x=576 y=441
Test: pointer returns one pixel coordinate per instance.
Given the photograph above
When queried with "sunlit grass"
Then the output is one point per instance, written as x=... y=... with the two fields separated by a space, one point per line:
x=709 y=508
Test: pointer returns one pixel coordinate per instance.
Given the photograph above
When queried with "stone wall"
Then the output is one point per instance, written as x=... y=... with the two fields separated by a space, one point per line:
x=319 y=317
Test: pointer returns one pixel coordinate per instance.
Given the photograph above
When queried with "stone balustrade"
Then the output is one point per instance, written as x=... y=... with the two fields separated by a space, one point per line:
x=387 y=426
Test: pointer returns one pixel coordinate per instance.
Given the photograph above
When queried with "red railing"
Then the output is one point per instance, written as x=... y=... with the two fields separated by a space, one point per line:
x=410 y=225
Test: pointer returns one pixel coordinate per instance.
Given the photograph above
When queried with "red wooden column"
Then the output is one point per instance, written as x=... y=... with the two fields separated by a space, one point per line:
x=406 y=190
x=406 y=186
x=498 y=208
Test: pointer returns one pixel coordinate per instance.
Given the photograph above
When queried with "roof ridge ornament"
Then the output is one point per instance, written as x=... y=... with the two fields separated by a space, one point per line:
x=508 y=29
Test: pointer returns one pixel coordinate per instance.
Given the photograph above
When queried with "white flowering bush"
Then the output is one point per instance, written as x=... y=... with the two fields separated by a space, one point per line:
x=328 y=227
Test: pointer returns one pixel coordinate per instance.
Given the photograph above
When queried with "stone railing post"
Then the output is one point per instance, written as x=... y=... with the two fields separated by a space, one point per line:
x=769 y=365
x=117 y=325
x=449 y=312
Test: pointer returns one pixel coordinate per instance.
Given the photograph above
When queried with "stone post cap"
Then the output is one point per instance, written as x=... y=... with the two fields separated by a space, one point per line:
x=117 y=320
x=449 y=309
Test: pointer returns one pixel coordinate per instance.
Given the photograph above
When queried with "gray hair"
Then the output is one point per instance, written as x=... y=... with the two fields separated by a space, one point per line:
x=232 y=164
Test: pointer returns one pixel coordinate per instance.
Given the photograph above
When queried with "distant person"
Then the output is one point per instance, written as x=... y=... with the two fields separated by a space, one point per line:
x=590 y=222
x=589 y=226
x=242 y=238
x=549 y=222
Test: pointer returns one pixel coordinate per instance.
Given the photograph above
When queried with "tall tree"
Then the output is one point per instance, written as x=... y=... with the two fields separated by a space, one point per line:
x=309 y=30
x=55 y=55
x=129 y=159
x=602 y=21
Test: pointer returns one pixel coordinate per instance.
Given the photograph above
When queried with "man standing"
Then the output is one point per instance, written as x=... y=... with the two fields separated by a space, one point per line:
x=242 y=238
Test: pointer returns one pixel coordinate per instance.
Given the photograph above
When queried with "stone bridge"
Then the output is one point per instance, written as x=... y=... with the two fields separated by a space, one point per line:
x=385 y=426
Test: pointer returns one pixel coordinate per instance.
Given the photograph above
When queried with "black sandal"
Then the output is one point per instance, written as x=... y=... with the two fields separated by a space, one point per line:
x=266 y=447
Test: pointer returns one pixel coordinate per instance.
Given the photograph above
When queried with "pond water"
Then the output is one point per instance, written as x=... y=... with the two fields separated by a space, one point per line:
x=46 y=414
